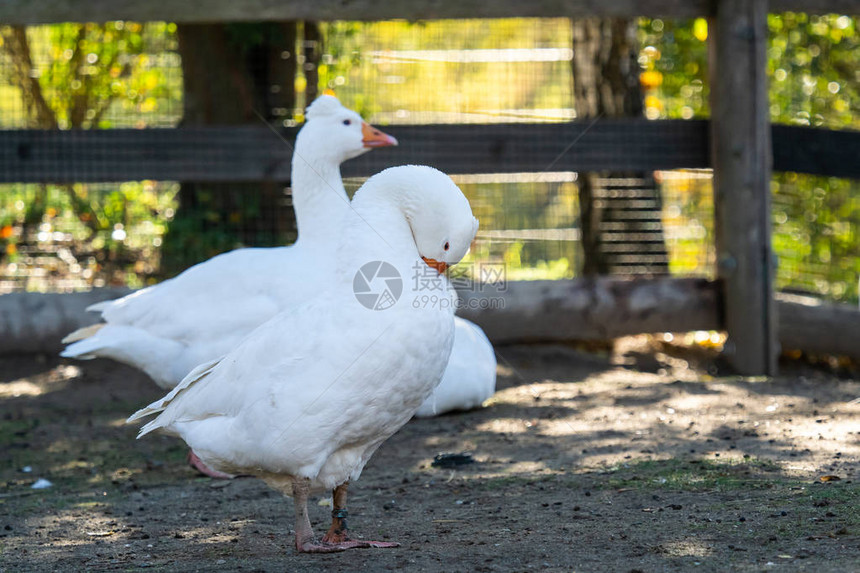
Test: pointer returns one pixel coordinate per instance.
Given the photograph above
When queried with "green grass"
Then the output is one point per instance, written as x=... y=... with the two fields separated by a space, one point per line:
x=693 y=475
x=10 y=430
x=832 y=507
x=81 y=461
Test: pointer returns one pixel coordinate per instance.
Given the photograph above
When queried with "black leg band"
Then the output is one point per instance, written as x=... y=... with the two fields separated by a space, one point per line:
x=339 y=513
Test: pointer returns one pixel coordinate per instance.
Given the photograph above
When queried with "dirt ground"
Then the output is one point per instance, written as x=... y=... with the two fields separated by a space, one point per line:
x=632 y=460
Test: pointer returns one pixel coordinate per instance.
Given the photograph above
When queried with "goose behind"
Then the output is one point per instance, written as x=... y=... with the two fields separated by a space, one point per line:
x=167 y=329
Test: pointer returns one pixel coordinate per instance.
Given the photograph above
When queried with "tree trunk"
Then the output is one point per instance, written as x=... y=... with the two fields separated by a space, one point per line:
x=590 y=216
x=233 y=74
x=606 y=84
x=312 y=51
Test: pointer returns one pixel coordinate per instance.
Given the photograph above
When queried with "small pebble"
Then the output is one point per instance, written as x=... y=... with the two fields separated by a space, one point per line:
x=41 y=483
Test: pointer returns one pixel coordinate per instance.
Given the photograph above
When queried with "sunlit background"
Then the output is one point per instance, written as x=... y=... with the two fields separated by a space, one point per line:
x=123 y=74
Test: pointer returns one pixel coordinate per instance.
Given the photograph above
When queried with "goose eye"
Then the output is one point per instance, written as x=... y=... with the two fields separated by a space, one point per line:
x=447 y=246
x=347 y=122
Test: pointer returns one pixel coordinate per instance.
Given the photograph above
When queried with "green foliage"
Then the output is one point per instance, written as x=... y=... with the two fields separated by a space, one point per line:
x=812 y=68
x=122 y=247
x=816 y=236
x=223 y=217
x=123 y=74
x=101 y=75
x=425 y=73
x=814 y=80
x=87 y=76
x=674 y=62
x=688 y=221
x=812 y=65
x=524 y=225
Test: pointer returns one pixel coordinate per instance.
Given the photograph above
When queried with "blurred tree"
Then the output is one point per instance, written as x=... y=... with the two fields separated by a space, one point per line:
x=233 y=74
x=606 y=83
x=71 y=76
x=814 y=80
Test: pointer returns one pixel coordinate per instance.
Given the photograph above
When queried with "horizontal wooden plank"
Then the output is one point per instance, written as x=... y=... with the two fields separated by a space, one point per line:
x=257 y=154
x=197 y=154
x=616 y=144
x=47 y=11
x=851 y=7
x=43 y=11
x=816 y=151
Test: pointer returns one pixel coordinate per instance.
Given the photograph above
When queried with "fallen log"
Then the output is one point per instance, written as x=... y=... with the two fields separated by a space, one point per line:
x=521 y=311
x=816 y=326
x=591 y=309
x=608 y=307
x=36 y=322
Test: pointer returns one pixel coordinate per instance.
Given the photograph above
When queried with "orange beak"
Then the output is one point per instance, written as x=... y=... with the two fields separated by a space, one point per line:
x=434 y=264
x=372 y=137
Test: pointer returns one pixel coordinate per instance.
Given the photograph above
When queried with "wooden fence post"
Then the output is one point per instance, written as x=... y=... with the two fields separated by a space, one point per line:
x=741 y=157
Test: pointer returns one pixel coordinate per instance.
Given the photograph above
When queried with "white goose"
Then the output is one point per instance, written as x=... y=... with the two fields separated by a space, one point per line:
x=469 y=378
x=168 y=329
x=306 y=399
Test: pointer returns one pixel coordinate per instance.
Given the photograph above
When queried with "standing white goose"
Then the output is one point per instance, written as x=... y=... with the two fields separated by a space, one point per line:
x=306 y=399
x=167 y=329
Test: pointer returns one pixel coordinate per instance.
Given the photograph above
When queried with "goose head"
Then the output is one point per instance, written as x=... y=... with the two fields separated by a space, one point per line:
x=437 y=212
x=335 y=134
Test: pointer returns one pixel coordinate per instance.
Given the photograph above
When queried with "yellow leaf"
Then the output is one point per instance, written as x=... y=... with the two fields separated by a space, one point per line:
x=151 y=81
x=301 y=84
x=148 y=105
x=700 y=29
x=653 y=102
x=650 y=79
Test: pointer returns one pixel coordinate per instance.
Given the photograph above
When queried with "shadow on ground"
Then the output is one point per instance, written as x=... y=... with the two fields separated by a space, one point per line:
x=583 y=461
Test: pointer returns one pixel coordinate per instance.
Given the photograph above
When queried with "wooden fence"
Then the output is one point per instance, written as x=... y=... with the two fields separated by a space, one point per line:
x=257 y=154
x=738 y=142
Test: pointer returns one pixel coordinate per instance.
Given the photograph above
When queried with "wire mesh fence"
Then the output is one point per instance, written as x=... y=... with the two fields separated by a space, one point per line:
x=124 y=74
